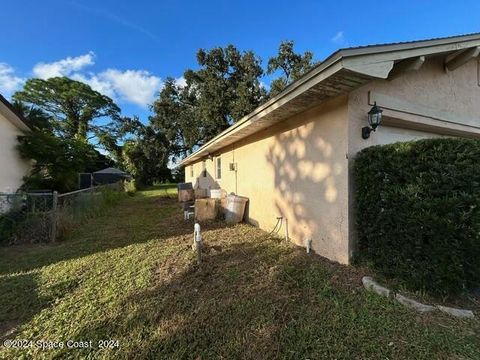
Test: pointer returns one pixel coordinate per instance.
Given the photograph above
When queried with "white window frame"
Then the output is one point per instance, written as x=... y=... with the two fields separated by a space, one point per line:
x=191 y=171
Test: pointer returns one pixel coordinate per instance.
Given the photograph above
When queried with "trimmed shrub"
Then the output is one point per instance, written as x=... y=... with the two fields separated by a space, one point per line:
x=418 y=212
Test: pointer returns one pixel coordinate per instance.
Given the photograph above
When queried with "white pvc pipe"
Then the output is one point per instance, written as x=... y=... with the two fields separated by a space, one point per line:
x=197 y=235
x=308 y=245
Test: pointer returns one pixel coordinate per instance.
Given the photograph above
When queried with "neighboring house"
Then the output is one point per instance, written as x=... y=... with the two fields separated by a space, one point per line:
x=293 y=155
x=13 y=167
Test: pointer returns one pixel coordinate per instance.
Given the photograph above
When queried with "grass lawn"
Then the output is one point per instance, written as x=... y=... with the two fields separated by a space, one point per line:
x=130 y=275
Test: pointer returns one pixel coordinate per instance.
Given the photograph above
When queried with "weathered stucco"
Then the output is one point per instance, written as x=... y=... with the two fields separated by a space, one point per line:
x=301 y=168
x=13 y=168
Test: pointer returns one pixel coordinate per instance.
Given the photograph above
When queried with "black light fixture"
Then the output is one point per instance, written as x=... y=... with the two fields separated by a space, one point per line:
x=374 y=119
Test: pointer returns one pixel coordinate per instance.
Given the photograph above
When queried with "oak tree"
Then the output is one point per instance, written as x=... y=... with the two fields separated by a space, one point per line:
x=290 y=65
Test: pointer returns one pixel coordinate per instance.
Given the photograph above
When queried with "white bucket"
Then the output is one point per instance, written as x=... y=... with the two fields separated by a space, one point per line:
x=235 y=208
x=216 y=193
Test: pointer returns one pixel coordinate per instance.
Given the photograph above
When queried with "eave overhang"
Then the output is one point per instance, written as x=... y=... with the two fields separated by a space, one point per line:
x=7 y=110
x=340 y=73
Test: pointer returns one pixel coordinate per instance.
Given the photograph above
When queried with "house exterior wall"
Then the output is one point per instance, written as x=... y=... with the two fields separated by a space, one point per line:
x=13 y=168
x=296 y=169
x=456 y=92
x=301 y=169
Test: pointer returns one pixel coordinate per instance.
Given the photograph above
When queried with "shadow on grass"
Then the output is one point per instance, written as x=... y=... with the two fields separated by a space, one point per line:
x=252 y=297
x=262 y=300
x=20 y=299
x=132 y=221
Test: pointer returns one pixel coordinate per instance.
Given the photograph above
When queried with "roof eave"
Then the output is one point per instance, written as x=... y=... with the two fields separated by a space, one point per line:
x=368 y=63
x=14 y=116
x=289 y=91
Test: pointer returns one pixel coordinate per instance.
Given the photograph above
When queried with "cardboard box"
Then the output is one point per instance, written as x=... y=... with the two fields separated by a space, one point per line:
x=206 y=209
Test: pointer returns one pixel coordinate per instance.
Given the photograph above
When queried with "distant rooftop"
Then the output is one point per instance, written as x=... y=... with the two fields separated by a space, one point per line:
x=111 y=170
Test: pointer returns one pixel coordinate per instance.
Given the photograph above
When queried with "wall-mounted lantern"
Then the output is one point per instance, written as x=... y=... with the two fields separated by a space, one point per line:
x=374 y=119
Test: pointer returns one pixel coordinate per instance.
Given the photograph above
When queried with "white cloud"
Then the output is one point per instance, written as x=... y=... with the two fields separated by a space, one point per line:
x=96 y=83
x=9 y=82
x=134 y=86
x=63 y=67
x=181 y=82
x=339 y=38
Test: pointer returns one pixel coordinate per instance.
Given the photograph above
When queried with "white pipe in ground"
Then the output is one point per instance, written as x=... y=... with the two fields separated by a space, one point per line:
x=308 y=245
x=197 y=242
x=197 y=236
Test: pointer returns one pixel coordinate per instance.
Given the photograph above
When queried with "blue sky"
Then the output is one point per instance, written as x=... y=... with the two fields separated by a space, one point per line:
x=125 y=48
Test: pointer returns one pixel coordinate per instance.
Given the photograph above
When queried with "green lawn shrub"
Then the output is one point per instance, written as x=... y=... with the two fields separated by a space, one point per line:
x=418 y=212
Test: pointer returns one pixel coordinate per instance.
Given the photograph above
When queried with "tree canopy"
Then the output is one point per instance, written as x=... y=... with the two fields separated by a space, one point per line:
x=62 y=112
x=176 y=114
x=57 y=161
x=72 y=120
x=146 y=155
x=71 y=105
x=290 y=64
x=226 y=87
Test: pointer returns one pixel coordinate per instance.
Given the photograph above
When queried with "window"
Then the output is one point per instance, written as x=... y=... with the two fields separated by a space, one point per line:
x=191 y=171
x=204 y=168
x=219 y=168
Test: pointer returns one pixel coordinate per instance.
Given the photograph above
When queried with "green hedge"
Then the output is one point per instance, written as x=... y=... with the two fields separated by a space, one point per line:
x=418 y=212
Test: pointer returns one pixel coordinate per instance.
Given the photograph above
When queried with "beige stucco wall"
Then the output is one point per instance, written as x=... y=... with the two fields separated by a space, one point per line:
x=12 y=167
x=301 y=169
x=455 y=92
x=296 y=169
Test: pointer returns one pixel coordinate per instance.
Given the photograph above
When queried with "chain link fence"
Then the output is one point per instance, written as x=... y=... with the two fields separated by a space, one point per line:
x=25 y=217
x=36 y=217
